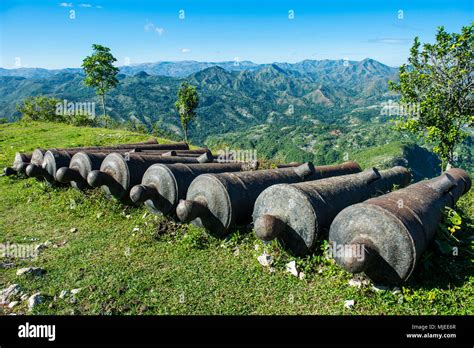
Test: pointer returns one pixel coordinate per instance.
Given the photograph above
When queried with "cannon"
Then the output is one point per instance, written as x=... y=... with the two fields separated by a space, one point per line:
x=384 y=237
x=150 y=145
x=82 y=163
x=54 y=159
x=220 y=201
x=298 y=214
x=20 y=163
x=119 y=173
x=163 y=185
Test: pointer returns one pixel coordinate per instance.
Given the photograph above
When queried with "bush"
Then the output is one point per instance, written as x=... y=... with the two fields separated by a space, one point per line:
x=40 y=108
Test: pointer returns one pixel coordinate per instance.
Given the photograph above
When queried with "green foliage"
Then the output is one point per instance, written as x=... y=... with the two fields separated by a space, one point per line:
x=186 y=105
x=100 y=71
x=439 y=80
x=40 y=108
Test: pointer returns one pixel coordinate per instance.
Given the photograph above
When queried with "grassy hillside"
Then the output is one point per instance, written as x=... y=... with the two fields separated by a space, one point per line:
x=126 y=261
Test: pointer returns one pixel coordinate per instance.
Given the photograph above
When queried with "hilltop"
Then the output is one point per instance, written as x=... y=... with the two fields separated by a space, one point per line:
x=125 y=261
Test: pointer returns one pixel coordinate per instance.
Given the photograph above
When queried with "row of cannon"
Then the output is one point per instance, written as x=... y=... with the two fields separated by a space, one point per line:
x=371 y=227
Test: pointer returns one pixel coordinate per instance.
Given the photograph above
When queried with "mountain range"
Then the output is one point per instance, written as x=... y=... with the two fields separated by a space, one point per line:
x=233 y=97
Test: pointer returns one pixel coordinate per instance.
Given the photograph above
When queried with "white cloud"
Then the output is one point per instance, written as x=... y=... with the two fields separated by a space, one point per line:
x=85 y=5
x=66 y=4
x=151 y=27
x=185 y=50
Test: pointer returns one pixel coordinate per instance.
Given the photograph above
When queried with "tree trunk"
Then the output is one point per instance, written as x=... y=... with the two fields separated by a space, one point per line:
x=103 y=103
x=185 y=130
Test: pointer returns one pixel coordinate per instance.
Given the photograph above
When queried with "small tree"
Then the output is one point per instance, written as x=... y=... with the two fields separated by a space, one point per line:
x=439 y=81
x=100 y=71
x=186 y=105
x=40 y=108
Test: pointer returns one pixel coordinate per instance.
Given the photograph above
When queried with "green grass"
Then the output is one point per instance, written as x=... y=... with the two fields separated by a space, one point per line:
x=130 y=262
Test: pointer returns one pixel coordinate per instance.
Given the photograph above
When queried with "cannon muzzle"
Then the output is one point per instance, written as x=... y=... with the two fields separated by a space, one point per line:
x=142 y=193
x=268 y=227
x=35 y=171
x=188 y=210
x=65 y=175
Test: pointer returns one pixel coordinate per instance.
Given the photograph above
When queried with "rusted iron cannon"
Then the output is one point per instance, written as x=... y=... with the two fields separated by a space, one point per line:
x=384 y=237
x=163 y=185
x=82 y=163
x=298 y=214
x=19 y=165
x=151 y=145
x=220 y=201
x=54 y=159
x=119 y=173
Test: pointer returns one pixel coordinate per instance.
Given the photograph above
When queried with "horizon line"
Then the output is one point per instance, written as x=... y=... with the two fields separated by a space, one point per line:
x=210 y=62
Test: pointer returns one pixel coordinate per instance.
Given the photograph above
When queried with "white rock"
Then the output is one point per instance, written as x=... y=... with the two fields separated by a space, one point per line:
x=34 y=300
x=256 y=247
x=24 y=297
x=73 y=230
x=63 y=293
x=301 y=275
x=75 y=291
x=291 y=268
x=271 y=270
x=35 y=271
x=7 y=294
x=355 y=283
x=265 y=259
x=349 y=303
x=12 y=304
x=136 y=229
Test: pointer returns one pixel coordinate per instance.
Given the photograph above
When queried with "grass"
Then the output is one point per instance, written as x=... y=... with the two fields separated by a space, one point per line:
x=127 y=261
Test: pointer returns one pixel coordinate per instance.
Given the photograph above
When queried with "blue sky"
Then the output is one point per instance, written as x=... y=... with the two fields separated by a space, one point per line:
x=41 y=33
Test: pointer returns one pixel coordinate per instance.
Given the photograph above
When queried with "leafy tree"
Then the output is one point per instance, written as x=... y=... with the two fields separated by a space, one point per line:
x=186 y=105
x=437 y=83
x=40 y=108
x=100 y=72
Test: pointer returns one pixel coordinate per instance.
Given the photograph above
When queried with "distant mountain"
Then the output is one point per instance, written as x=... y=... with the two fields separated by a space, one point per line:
x=188 y=67
x=230 y=100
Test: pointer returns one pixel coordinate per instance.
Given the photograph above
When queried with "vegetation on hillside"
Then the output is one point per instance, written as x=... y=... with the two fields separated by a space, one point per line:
x=438 y=82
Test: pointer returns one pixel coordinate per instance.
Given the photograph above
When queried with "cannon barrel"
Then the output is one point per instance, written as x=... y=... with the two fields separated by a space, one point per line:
x=220 y=201
x=150 y=145
x=384 y=237
x=163 y=185
x=297 y=214
x=82 y=163
x=55 y=159
x=119 y=173
x=20 y=162
x=38 y=154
